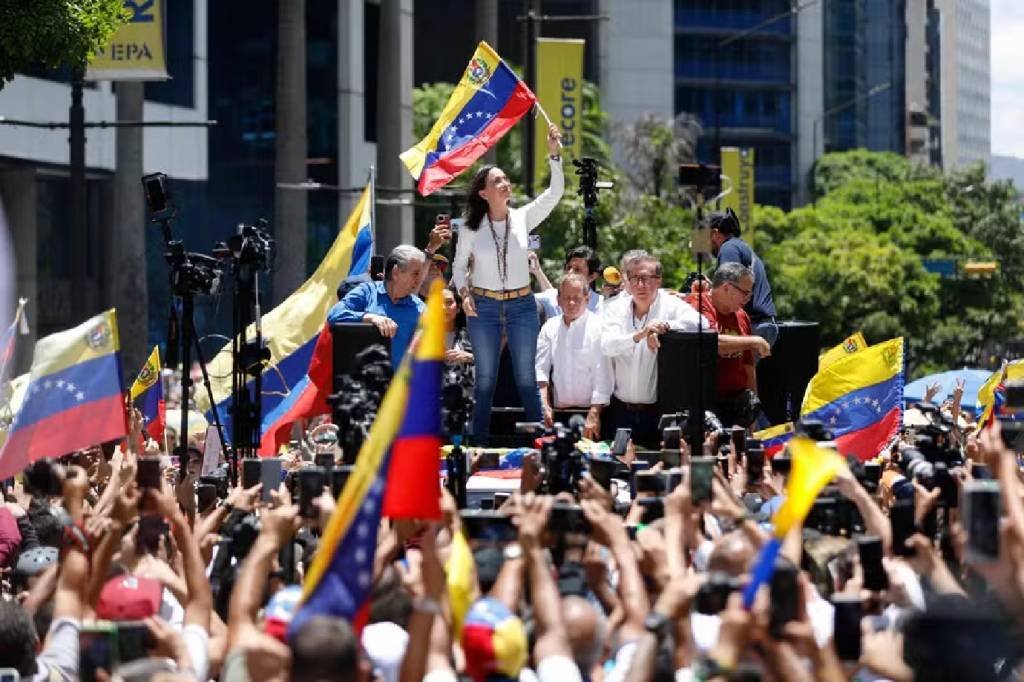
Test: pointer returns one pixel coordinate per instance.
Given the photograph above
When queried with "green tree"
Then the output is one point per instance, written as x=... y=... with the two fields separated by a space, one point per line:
x=653 y=146
x=54 y=33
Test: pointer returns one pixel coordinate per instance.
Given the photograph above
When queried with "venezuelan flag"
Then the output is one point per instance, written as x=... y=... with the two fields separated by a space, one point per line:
x=774 y=438
x=486 y=103
x=812 y=468
x=293 y=330
x=147 y=394
x=990 y=395
x=860 y=398
x=74 y=396
x=851 y=344
x=340 y=579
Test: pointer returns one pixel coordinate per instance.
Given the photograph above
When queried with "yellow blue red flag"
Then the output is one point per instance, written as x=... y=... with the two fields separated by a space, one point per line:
x=774 y=438
x=74 y=398
x=991 y=395
x=851 y=344
x=340 y=579
x=147 y=394
x=489 y=99
x=859 y=398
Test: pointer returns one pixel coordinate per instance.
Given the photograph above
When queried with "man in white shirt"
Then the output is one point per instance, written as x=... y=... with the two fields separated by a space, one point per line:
x=631 y=327
x=569 y=358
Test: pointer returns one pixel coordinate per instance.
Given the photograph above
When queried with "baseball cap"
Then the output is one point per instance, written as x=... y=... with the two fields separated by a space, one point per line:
x=440 y=260
x=493 y=640
x=34 y=561
x=385 y=644
x=280 y=610
x=612 y=275
x=129 y=597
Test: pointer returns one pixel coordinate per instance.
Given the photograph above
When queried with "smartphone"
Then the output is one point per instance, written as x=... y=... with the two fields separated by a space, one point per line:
x=675 y=478
x=148 y=473
x=206 y=496
x=981 y=519
x=873 y=472
x=500 y=499
x=981 y=471
x=667 y=420
x=441 y=218
x=133 y=640
x=782 y=464
x=670 y=439
x=97 y=650
x=9 y=675
x=311 y=486
x=339 y=476
x=723 y=464
x=846 y=626
x=250 y=472
x=602 y=469
x=151 y=527
x=901 y=517
x=635 y=467
x=488 y=525
x=869 y=549
x=270 y=476
x=324 y=460
x=533 y=242
x=568 y=518
x=622 y=437
x=650 y=482
x=702 y=472
x=376 y=267
x=487 y=503
x=739 y=439
x=653 y=509
x=755 y=465
x=783 y=587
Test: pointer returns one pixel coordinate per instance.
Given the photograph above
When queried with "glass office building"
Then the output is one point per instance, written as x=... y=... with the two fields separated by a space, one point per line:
x=742 y=93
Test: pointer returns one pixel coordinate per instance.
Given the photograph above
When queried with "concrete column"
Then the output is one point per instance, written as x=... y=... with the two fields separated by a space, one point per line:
x=394 y=121
x=18 y=195
x=290 y=206
x=354 y=154
x=125 y=266
x=810 y=98
x=486 y=26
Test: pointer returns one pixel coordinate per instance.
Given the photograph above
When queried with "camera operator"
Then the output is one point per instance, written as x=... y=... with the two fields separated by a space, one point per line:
x=569 y=358
x=738 y=349
x=727 y=245
x=629 y=340
x=583 y=261
x=392 y=306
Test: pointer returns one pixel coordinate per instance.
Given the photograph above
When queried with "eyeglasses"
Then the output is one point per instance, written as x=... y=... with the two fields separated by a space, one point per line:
x=747 y=293
x=644 y=280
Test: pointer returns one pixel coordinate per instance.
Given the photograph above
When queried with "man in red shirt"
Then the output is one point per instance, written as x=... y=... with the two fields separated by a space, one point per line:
x=738 y=349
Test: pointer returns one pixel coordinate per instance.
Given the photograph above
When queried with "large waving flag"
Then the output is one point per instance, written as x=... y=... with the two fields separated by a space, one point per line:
x=147 y=394
x=74 y=395
x=860 y=398
x=851 y=344
x=812 y=468
x=991 y=396
x=486 y=103
x=340 y=579
x=292 y=329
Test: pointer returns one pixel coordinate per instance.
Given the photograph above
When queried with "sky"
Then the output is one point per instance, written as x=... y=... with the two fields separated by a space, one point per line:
x=1008 y=77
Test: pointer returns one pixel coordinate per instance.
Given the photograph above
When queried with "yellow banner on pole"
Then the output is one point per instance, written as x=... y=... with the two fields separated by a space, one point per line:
x=560 y=92
x=136 y=50
x=738 y=166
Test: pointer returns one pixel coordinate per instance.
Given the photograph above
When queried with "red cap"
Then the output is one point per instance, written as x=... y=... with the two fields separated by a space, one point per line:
x=129 y=597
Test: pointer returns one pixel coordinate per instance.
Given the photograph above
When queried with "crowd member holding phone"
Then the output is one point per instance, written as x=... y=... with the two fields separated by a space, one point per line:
x=569 y=360
x=391 y=306
x=492 y=274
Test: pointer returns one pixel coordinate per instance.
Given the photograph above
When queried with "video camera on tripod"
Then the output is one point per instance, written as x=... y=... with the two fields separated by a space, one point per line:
x=587 y=168
x=355 y=405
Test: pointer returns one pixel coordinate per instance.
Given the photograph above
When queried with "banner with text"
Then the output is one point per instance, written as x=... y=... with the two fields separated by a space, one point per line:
x=136 y=50
x=560 y=91
x=738 y=166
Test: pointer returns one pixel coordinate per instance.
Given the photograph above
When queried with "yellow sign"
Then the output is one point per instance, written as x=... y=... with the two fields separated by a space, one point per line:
x=738 y=166
x=560 y=92
x=136 y=50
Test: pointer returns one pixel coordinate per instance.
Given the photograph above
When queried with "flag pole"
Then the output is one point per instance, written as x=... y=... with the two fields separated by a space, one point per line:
x=373 y=204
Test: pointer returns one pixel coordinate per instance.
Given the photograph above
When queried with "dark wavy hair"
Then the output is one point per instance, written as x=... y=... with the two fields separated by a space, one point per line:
x=476 y=205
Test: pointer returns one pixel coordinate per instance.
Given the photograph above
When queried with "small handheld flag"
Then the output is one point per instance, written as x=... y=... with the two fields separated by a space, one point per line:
x=147 y=394
x=486 y=103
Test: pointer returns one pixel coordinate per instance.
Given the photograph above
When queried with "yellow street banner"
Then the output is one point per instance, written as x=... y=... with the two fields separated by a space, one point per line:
x=738 y=166
x=560 y=92
x=136 y=50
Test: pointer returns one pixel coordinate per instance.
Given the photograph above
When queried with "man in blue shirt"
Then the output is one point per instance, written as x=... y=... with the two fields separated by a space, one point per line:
x=391 y=306
x=727 y=245
x=583 y=261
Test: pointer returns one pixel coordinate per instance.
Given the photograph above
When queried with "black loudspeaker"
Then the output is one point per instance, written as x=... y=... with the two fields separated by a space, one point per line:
x=350 y=339
x=782 y=378
x=679 y=374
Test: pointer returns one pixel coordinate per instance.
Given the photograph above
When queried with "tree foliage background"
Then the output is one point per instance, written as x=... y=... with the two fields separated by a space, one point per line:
x=54 y=33
x=854 y=260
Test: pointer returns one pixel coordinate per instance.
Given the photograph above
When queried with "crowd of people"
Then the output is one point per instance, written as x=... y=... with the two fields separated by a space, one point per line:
x=126 y=562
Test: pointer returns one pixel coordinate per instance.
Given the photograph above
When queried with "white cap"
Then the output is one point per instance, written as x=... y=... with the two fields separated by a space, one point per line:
x=385 y=645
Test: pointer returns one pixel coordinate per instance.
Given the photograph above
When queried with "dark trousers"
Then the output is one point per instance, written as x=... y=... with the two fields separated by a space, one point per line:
x=642 y=419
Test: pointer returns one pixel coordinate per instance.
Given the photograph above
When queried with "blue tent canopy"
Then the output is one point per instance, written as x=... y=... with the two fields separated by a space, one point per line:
x=973 y=379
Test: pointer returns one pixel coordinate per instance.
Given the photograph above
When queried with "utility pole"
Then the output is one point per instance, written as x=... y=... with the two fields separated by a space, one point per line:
x=80 y=291
x=533 y=11
x=486 y=24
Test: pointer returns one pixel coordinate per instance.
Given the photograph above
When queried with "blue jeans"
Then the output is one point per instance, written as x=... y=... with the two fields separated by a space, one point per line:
x=518 y=320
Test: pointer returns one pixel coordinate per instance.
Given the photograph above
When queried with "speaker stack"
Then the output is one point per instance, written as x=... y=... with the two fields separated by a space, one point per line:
x=782 y=378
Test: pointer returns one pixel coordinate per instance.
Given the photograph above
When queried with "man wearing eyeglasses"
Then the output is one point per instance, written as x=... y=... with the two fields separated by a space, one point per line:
x=727 y=245
x=738 y=349
x=630 y=331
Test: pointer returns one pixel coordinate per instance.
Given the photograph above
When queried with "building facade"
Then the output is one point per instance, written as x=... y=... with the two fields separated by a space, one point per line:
x=966 y=82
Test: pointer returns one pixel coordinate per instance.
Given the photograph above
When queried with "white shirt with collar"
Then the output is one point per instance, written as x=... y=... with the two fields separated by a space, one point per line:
x=634 y=365
x=569 y=357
